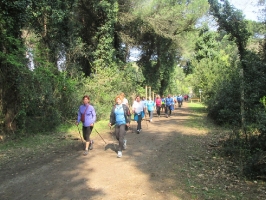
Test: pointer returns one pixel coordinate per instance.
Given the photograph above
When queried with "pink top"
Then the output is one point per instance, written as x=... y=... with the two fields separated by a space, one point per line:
x=158 y=102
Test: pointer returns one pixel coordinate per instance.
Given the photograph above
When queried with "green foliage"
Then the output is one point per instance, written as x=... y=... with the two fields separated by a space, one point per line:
x=104 y=53
x=179 y=83
x=232 y=21
x=161 y=15
x=12 y=59
x=158 y=28
x=206 y=45
x=104 y=86
x=46 y=100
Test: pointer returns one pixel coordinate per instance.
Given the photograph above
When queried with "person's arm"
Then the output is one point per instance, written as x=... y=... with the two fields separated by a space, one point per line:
x=79 y=117
x=112 y=117
x=126 y=111
x=93 y=116
x=133 y=107
x=144 y=108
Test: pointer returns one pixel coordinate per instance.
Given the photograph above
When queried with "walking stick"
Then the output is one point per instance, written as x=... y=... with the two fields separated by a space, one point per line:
x=99 y=135
x=81 y=138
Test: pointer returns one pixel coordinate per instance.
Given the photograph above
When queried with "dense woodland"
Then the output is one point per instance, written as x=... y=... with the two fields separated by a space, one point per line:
x=54 y=52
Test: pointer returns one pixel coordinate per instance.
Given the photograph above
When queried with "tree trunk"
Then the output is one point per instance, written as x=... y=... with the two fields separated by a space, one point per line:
x=242 y=100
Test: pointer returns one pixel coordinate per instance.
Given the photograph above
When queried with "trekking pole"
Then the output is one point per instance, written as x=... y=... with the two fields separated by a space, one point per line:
x=99 y=135
x=81 y=138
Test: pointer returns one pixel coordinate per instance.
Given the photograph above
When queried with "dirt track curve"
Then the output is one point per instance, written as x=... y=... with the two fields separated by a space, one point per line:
x=147 y=170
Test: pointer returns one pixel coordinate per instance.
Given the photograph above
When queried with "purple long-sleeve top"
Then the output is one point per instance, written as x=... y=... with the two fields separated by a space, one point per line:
x=90 y=116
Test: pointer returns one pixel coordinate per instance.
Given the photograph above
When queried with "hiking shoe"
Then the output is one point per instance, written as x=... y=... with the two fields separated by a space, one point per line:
x=85 y=152
x=91 y=145
x=119 y=154
x=125 y=144
x=138 y=131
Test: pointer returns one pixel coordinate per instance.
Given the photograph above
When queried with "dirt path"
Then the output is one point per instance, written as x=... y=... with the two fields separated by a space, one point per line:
x=157 y=164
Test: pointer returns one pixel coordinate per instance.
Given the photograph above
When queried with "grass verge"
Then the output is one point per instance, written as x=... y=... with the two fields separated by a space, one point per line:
x=64 y=135
x=206 y=173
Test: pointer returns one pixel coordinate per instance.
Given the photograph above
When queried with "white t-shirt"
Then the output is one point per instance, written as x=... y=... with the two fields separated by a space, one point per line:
x=125 y=101
x=138 y=106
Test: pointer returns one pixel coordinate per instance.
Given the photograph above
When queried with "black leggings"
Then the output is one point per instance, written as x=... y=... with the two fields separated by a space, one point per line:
x=87 y=132
x=139 y=122
x=158 y=109
x=120 y=132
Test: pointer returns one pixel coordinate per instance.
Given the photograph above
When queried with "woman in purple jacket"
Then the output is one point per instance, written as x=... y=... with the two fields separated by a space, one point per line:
x=89 y=118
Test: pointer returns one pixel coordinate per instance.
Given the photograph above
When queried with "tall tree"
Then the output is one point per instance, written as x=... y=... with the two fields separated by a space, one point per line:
x=12 y=58
x=158 y=29
x=232 y=21
x=51 y=22
x=97 y=20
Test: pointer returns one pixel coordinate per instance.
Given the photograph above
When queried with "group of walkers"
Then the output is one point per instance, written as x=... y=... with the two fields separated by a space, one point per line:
x=120 y=116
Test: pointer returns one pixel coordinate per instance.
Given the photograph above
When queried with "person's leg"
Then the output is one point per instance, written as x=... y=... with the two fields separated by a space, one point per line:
x=166 y=111
x=151 y=115
x=139 y=122
x=170 y=110
x=87 y=140
x=117 y=129
x=86 y=135
x=91 y=141
x=121 y=135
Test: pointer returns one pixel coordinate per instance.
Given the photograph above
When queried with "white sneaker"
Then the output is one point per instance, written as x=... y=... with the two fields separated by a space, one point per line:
x=125 y=144
x=119 y=154
x=150 y=120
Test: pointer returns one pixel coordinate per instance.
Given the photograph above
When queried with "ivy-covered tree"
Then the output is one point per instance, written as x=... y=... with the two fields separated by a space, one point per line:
x=232 y=21
x=158 y=28
x=12 y=59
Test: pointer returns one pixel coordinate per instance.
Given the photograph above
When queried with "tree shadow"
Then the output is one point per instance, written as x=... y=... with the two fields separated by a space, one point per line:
x=176 y=163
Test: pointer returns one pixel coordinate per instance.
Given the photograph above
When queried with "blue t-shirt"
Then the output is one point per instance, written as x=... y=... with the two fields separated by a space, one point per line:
x=169 y=101
x=150 y=105
x=119 y=115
